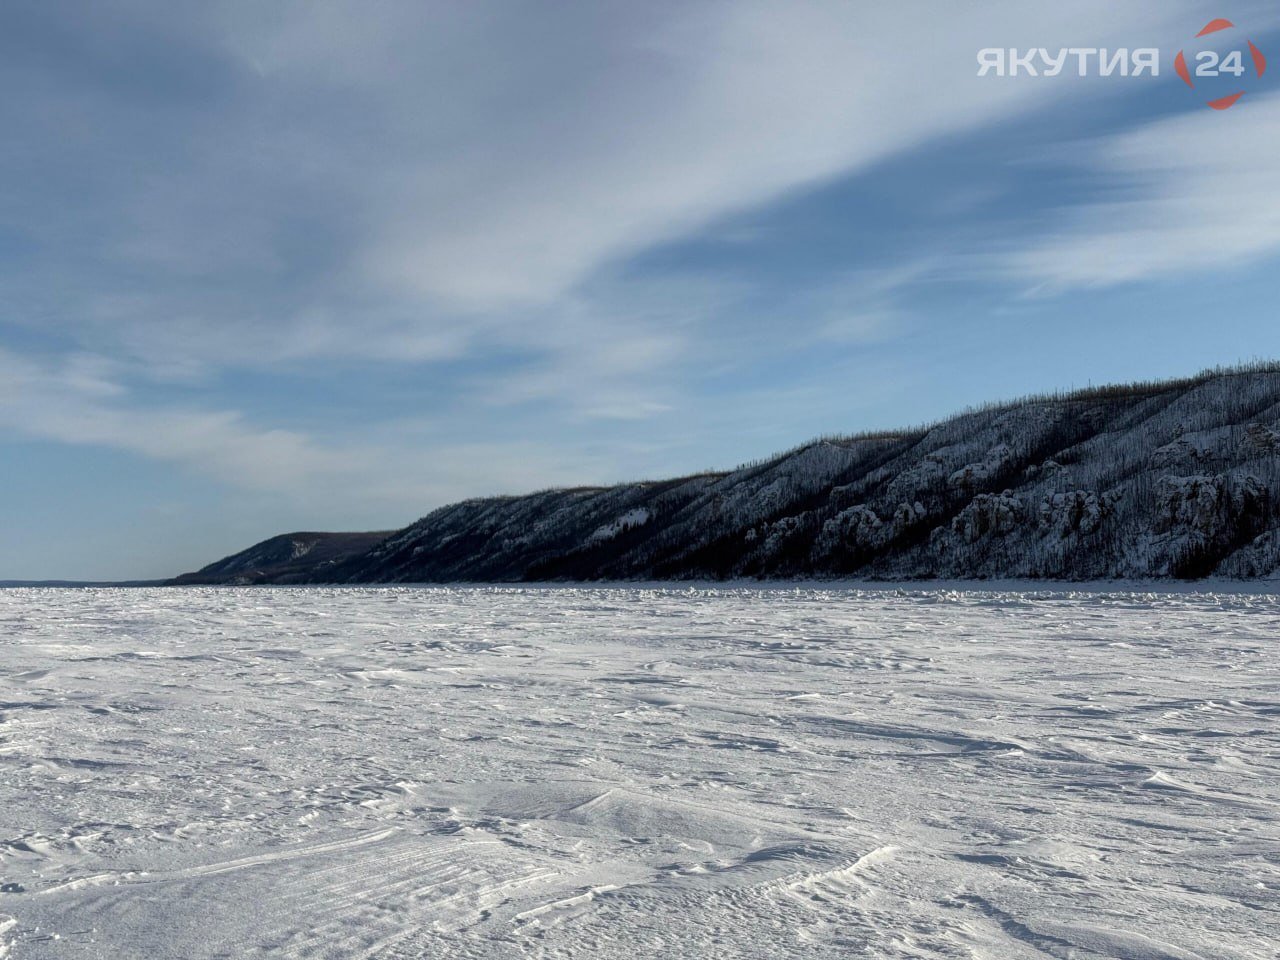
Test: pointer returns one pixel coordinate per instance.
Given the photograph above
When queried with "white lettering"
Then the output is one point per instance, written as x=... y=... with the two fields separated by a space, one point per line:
x=1053 y=65
x=1119 y=60
x=991 y=58
x=1082 y=55
x=1105 y=62
x=1146 y=57
x=1022 y=59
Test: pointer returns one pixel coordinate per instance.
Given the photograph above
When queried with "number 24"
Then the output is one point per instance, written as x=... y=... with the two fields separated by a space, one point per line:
x=1209 y=64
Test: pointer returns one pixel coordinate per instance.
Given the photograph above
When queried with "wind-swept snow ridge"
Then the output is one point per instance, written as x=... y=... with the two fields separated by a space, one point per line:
x=613 y=773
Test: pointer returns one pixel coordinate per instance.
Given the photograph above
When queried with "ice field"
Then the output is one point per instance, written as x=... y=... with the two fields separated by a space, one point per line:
x=632 y=772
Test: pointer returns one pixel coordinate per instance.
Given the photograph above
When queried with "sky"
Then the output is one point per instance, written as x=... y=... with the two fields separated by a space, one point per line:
x=328 y=266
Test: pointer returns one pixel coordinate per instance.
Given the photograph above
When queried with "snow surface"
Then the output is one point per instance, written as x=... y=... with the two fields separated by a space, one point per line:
x=634 y=772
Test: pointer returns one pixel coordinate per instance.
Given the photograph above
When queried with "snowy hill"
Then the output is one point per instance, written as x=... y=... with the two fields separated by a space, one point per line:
x=288 y=558
x=1165 y=480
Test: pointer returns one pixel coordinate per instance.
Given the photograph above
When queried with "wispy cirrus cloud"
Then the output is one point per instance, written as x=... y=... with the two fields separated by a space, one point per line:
x=76 y=401
x=1185 y=197
x=405 y=182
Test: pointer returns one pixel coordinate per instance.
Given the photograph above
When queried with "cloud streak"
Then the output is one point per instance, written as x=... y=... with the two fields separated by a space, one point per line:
x=406 y=181
x=1187 y=197
x=76 y=402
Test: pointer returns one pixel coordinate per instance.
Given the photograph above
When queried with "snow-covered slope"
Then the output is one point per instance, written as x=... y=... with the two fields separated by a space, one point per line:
x=1157 y=480
x=287 y=558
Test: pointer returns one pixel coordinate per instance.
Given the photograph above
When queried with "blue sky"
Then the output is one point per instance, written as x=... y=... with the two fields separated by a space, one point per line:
x=269 y=267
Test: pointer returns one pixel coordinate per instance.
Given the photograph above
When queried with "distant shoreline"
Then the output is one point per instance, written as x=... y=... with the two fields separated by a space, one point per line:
x=975 y=586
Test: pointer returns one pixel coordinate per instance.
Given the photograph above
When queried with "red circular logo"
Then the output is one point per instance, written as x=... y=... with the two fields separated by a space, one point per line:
x=1211 y=63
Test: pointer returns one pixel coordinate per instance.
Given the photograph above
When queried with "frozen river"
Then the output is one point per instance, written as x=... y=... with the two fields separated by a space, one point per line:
x=627 y=772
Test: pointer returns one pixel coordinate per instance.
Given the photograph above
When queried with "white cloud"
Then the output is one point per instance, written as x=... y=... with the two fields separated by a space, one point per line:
x=1194 y=193
x=716 y=108
x=73 y=402
x=64 y=401
x=403 y=180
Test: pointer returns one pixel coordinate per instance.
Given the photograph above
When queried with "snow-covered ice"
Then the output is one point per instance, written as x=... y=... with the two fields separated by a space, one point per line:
x=634 y=772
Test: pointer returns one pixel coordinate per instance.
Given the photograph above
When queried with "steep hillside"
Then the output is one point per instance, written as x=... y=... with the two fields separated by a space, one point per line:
x=1177 y=479
x=288 y=558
